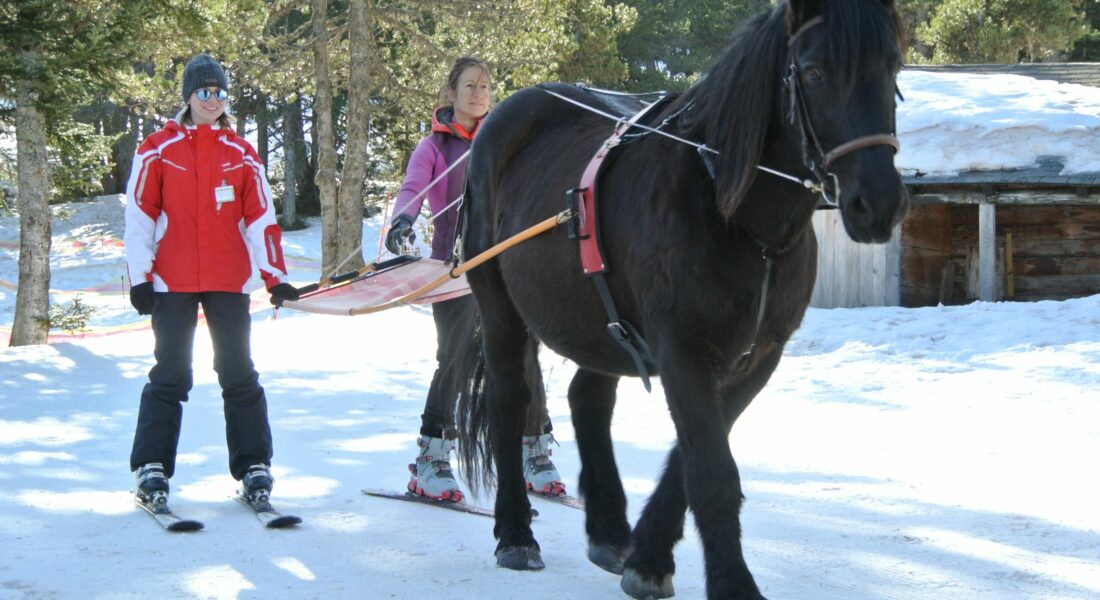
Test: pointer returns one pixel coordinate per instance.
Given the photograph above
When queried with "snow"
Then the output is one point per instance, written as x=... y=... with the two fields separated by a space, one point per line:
x=897 y=453
x=953 y=122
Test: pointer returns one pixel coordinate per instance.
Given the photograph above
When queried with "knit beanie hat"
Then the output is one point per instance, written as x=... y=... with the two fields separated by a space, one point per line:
x=202 y=71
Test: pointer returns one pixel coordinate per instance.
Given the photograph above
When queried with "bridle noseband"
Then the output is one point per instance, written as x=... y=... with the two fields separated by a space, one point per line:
x=800 y=114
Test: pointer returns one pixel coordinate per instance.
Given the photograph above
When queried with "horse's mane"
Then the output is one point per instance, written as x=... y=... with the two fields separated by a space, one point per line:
x=734 y=103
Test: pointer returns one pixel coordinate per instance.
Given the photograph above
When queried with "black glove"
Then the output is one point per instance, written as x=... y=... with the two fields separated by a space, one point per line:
x=141 y=296
x=400 y=230
x=283 y=291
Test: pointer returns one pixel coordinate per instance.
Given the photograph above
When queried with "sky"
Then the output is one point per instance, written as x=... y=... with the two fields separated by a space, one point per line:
x=939 y=452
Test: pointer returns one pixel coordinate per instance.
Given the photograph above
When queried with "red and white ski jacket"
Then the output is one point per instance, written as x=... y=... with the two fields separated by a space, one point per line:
x=198 y=207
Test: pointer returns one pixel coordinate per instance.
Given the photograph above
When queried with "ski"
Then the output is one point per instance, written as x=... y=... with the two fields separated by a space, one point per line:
x=411 y=497
x=167 y=519
x=461 y=507
x=563 y=499
x=266 y=514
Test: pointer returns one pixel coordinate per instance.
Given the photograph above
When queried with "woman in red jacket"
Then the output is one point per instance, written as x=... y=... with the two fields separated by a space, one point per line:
x=198 y=213
x=465 y=102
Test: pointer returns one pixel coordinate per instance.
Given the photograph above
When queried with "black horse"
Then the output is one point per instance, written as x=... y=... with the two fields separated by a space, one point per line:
x=713 y=264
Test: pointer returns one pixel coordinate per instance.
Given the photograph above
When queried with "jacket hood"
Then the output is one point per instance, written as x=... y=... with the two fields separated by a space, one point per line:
x=443 y=122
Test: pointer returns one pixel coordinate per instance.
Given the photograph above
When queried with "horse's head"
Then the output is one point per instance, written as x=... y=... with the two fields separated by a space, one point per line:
x=840 y=89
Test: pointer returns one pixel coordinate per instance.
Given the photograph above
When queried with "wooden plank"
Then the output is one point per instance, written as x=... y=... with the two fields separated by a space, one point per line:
x=1008 y=197
x=1048 y=247
x=838 y=260
x=1041 y=266
x=927 y=226
x=923 y=268
x=865 y=275
x=914 y=297
x=892 y=270
x=1080 y=220
x=987 y=252
x=971 y=282
x=820 y=297
x=967 y=197
x=1058 y=287
x=1005 y=198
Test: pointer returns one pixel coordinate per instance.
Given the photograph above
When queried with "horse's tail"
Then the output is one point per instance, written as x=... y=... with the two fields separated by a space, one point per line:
x=472 y=419
x=466 y=374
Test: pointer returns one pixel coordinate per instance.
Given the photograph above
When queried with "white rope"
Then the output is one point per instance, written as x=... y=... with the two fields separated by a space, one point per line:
x=638 y=125
x=415 y=198
x=810 y=185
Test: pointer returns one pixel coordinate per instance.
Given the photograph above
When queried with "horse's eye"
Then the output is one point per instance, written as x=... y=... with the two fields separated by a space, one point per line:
x=814 y=76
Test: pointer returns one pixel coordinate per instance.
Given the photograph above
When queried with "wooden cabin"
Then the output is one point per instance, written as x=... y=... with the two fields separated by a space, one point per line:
x=1022 y=234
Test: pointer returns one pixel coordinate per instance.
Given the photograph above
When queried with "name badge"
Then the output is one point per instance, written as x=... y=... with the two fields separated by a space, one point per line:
x=223 y=193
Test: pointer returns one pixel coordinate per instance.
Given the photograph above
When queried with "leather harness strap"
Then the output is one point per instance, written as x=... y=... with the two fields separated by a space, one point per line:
x=587 y=224
x=586 y=229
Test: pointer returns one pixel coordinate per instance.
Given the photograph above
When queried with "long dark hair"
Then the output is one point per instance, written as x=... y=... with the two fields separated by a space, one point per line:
x=224 y=119
x=450 y=84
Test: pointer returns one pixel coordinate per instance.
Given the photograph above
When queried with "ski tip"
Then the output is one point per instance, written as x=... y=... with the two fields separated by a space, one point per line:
x=284 y=521
x=184 y=526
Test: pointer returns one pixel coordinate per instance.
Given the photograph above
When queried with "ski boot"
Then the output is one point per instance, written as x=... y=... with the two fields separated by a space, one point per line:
x=256 y=486
x=152 y=485
x=538 y=469
x=431 y=474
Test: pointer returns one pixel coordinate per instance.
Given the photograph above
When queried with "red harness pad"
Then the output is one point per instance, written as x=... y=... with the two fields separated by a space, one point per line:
x=587 y=227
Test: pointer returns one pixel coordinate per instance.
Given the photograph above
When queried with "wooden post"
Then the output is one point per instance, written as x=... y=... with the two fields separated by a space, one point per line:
x=987 y=251
x=1010 y=270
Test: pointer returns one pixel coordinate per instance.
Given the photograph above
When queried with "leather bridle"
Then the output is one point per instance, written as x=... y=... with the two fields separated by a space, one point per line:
x=799 y=114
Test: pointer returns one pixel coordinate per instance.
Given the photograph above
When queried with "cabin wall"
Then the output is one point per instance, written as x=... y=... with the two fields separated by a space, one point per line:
x=1055 y=252
x=850 y=274
x=933 y=258
x=925 y=255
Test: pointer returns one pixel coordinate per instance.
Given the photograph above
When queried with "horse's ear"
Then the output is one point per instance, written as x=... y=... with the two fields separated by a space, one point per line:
x=800 y=11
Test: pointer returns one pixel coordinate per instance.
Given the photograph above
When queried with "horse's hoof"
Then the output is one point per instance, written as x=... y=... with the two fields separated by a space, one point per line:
x=608 y=557
x=637 y=586
x=520 y=558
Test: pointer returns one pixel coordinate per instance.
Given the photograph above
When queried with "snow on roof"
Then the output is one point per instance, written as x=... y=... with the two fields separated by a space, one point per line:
x=954 y=122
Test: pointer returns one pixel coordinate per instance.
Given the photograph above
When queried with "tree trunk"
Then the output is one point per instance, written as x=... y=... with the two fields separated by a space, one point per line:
x=326 y=149
x=241 y=114
x=350 y=233
x=293 y=157
x=32 y=299
x=308 y=194
x=262 y=124
x=122 y=152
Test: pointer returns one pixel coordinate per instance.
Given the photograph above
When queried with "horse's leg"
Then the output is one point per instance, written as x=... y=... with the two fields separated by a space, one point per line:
x=504 y=339
x=591 y=402
x=648 y=570
x=714 y=483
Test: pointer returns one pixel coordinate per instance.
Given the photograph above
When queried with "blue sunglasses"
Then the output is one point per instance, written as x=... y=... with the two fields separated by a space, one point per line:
x=204 y=94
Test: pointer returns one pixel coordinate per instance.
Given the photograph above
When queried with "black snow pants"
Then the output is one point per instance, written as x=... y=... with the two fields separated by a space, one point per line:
x=438 y=419
x=247 y=432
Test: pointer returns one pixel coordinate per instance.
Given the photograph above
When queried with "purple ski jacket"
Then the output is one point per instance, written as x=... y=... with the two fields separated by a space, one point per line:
x=448 y=142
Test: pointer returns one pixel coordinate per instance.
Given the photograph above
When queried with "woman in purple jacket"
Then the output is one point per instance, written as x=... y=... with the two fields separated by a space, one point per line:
x=464 y=99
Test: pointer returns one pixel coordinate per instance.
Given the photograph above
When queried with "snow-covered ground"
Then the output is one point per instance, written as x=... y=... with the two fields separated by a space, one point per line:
x=897 y=453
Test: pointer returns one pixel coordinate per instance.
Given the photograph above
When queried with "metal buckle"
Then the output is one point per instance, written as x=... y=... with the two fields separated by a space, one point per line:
x=618 y=332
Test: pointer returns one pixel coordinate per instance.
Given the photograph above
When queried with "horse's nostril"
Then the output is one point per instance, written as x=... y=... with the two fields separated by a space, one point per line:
x=859 y=205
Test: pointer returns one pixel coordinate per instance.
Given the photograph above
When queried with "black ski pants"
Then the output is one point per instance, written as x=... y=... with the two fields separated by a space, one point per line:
x=247 y=432
x=438 y=419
